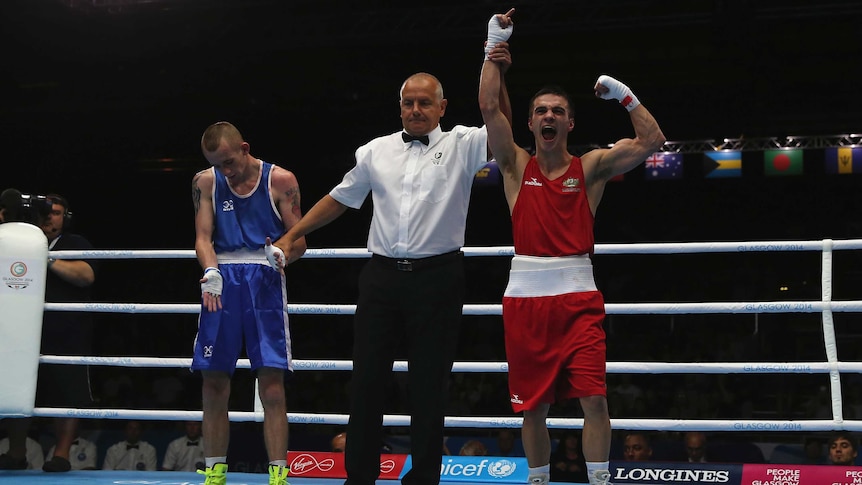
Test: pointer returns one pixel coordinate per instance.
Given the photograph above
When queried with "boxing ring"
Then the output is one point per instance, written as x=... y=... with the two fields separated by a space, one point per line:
x=826 y=307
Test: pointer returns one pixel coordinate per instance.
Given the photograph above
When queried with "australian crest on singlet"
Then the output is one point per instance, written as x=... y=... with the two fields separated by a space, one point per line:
x=553 y=217
x=256 y=209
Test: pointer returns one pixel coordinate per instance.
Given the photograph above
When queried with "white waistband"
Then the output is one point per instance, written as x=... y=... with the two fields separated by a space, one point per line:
x=533 y=276
x=243 y=256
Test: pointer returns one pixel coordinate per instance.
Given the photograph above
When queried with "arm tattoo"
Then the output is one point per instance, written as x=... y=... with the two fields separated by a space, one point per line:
x=292 y=195
x=196 y=193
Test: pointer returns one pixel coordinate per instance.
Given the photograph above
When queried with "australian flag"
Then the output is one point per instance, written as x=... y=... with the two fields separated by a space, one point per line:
x=663 y=165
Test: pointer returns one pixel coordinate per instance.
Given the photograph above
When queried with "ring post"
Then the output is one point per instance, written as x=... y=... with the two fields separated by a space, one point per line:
x=23 y=269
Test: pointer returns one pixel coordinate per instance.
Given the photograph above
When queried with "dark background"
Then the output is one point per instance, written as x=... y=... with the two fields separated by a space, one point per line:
x=97 y=95
x=105 y=103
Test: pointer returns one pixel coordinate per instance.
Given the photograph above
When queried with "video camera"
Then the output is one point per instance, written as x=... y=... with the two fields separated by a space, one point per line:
x=19 y=207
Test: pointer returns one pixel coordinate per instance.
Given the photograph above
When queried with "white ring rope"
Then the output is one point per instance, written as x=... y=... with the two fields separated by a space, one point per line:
x=497 y=309
x=470 y=422
x=401 y=365
x=636 y=248
x=826 y=307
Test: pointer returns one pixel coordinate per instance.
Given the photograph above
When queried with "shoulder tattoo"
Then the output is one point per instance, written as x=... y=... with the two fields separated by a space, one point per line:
x=292 y=196
x=196 y=193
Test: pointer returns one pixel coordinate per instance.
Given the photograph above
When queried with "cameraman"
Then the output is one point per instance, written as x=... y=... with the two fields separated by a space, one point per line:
x=63 y=333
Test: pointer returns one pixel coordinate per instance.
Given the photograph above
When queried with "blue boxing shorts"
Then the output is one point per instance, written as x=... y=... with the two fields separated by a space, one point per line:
x=254 y=309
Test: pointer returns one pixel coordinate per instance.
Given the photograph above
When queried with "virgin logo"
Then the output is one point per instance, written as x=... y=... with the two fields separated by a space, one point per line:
x=306 y=463
x=387 y=466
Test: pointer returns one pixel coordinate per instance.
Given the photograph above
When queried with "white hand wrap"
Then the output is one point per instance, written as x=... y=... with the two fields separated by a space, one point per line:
x=214 y=282
x=618 y=91
x=496 y=34
x=271 y=251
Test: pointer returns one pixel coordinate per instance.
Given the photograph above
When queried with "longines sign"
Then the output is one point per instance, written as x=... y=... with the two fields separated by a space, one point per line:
x=673 y=473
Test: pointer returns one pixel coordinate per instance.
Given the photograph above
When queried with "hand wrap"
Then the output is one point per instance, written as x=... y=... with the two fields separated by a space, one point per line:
x=275 y=256
x=214 y=282
x=496 y=34
x=618 y=91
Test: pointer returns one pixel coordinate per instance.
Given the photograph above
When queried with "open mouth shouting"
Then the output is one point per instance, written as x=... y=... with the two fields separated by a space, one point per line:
x=549 y=132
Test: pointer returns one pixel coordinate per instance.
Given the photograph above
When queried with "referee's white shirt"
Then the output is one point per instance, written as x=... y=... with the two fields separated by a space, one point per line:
x=420 y=193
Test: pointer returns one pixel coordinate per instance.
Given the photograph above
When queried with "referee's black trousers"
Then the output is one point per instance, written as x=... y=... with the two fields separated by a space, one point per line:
x=419 y=311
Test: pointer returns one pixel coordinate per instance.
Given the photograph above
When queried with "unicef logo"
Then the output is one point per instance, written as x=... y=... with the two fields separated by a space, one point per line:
x=501 y=468
x=18 y=269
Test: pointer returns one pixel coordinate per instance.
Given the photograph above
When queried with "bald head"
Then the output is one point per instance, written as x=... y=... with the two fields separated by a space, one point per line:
x=339 y=442
x=423 y=78
x=422 y=104
x=695 y=445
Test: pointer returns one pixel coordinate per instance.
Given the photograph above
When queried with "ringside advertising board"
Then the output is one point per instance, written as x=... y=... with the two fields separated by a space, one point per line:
x=675 y=473
x=489 y=469
x=483 y=469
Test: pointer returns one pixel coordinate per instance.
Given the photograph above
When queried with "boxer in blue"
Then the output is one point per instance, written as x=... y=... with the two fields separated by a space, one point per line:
x=240 y=202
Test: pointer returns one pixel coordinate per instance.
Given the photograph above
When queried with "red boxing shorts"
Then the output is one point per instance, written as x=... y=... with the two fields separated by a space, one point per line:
x=555 y=346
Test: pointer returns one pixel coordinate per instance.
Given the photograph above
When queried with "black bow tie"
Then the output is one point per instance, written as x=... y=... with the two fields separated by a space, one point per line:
x=407 y=137
x=191 y=443
x=131 y=447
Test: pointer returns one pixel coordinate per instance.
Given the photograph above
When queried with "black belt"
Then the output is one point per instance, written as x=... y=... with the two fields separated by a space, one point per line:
x=408 y=264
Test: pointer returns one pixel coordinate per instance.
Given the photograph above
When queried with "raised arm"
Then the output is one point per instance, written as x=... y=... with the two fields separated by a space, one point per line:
x=502 y=57
x=492 y=90
x=626 y=153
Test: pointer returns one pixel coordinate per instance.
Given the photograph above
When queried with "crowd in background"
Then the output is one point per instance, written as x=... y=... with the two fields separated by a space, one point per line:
x=178 y=446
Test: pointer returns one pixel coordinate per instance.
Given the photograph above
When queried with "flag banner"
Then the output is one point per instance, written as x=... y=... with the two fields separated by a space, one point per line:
x=782 y=162
x=843 y=160
x=663 y=165
x=724 y=163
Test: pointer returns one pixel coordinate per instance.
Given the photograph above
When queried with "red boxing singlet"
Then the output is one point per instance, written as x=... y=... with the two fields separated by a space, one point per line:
x=553 y=217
